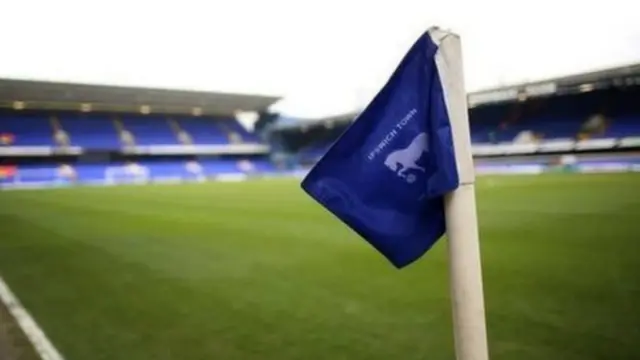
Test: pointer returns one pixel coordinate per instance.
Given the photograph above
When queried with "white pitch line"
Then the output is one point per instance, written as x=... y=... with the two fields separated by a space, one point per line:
x=34 y=333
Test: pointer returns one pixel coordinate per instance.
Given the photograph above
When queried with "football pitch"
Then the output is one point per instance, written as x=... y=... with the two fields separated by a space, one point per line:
x=257 y=270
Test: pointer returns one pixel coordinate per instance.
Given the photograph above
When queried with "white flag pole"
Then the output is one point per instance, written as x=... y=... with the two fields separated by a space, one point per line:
x=467 y=297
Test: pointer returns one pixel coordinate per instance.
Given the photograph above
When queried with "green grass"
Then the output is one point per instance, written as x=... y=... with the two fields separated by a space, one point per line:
x=257 y=270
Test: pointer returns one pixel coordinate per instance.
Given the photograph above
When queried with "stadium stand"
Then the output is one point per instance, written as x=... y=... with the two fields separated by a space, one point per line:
x=579 y=115
x=26 y=129
x=86 y=134
x=204 y=130
x=149 y=130
x=105 y=131
x=244 y=134
x=93 y=131
x=149 y=170
x=91 y=172
x=561 y=125
x=183 y=137
x=576 y=117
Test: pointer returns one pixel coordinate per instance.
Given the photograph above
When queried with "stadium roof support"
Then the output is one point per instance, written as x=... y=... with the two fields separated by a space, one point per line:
x=67 y=96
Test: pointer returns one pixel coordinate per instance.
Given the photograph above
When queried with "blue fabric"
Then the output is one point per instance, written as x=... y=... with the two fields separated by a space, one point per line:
x=386 y=176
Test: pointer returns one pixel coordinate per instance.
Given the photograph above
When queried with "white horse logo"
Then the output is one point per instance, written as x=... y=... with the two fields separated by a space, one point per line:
x=400 y=161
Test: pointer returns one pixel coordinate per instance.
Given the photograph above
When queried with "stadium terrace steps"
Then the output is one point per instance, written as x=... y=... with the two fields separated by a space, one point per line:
x=127 y=138
x=232 y=136
x=182 y=136
x=231 y=127
x=60 y=136
x=55 y=123
x=247 y=136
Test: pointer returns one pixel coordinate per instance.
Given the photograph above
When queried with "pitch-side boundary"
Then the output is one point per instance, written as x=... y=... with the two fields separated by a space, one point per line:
x=27 y=324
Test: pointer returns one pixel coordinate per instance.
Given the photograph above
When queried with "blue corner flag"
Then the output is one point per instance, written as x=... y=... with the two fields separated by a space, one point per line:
x=387 y=174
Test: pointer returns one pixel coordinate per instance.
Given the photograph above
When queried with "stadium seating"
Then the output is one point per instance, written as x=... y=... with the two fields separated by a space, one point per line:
x=485 y=121
x=26 y=129
x=90 y=173
x=580 y=122
x=203 y=130
x=557 y=118
x=552 y=120
x=37 y=173
x=247 y=136
x=314 y=151
x=548 y=124
x=263 y=165
x=95 y=131
x=155 y=170
x=101 y=131
x=149 y=130
x=226 y=166
x=624 y=125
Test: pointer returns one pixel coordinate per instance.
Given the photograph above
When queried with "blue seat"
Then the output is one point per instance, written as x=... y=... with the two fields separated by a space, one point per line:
x=150 y=130
x=203 y=131
x=94 y=131
x=28 y=129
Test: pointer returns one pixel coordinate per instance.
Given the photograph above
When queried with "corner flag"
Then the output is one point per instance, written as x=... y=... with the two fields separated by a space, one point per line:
x=402 y=175
x=387 y=175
